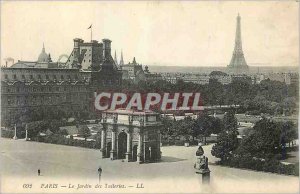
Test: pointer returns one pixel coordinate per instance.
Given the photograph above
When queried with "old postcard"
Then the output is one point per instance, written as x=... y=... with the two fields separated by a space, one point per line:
x=149 y=97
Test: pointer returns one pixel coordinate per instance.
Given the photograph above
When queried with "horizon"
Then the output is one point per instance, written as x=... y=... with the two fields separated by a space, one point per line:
x=144 y=30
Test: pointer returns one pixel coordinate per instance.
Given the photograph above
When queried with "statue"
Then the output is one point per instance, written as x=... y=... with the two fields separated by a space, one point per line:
x=115 y=118
x=201 y=164
x=200 y=151
x=104 y=118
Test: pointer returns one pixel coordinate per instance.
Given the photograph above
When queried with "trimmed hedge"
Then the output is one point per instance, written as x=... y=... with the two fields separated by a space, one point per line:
x=7 y=133
x=268 y=165
x=61 y=140
x=178 y=142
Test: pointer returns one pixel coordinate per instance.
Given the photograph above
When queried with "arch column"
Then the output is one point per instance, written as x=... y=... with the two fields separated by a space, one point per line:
x=113 y=152
x=103 y=142
x=159 y=144
x=140 y=149
x=103 y=136
x=128 y=151
x=140 y=154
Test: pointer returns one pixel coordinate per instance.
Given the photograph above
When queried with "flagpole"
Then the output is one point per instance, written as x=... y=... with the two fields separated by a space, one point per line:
x=91 y=33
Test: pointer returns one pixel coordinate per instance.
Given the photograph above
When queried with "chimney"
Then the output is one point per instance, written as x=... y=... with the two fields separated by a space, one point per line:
x=106 y=48
x=77 y=41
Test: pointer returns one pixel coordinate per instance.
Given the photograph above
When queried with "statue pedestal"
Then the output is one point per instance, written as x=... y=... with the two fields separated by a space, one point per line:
x=206 y=177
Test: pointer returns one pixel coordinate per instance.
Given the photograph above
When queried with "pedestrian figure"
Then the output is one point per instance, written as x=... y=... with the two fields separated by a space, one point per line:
x=39 y=172
x=99 y=173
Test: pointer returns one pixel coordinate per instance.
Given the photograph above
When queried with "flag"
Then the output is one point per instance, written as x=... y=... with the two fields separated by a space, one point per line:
x=90 y=26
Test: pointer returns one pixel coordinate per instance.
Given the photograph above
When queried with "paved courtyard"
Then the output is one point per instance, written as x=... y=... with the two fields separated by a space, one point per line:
x=64 y=165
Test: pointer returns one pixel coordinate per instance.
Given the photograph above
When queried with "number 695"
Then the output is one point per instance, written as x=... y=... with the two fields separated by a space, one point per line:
x=27 y=186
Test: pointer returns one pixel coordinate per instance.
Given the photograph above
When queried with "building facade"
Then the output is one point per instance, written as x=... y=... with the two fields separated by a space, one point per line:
x=131 y=135
x=34 y=88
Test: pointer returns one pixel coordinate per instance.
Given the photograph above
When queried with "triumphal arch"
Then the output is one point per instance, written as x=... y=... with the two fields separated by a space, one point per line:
x=131 y=135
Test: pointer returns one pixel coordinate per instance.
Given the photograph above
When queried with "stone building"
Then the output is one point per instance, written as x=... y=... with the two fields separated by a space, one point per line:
x=40 y=89
x=221 y=77
x=133 y=70
x=36 y=85
x=131 y=135
x=90 y=55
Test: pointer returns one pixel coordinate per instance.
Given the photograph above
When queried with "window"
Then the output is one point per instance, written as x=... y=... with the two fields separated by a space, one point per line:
x=47 y=77
x=54 y=76
x=62 y=77
x=33 y=100
x=31 y=76
x=18 y=100
x=23 y=76
x=39 y=77
x=6 y=76
x=15 y=76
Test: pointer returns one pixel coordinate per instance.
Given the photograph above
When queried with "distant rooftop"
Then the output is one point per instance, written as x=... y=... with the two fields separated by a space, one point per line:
x=131 y=112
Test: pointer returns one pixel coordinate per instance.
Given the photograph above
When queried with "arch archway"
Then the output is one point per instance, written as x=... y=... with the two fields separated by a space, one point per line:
x=134 y=153
x=122 y=145
x=108 y=149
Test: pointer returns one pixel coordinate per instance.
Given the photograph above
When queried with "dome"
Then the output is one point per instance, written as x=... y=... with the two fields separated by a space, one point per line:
x=43 y=57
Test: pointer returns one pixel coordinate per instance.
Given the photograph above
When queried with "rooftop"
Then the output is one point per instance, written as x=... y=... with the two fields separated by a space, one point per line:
x=131 y=112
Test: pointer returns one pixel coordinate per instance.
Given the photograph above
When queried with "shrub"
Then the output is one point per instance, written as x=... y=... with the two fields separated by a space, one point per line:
x=7 y=133
x=269 y=165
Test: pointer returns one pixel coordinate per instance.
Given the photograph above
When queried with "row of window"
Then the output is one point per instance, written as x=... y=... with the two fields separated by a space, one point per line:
x=44 y=89
x=39 y=77
x=44 y=100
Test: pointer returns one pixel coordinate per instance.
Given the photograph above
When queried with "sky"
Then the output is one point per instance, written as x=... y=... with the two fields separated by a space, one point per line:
x=183 y=33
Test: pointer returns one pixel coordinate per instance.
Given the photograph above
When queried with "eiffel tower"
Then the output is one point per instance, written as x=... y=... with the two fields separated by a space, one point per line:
x=238 y=63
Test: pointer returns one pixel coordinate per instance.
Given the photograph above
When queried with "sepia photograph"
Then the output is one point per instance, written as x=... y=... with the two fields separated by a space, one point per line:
x=149 y=96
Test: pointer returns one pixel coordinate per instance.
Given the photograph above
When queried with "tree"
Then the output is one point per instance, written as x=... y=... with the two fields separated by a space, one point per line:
x=35 y=127
x=62 y=132
x=230 y=121
x=264 y=142
x=227 y=139
x=205 y=125
x=226 y=145
x=83 y=131
x=289 y=132
x=215 y=92
x=167 y=129
x=240 y=90
x=185 y=127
